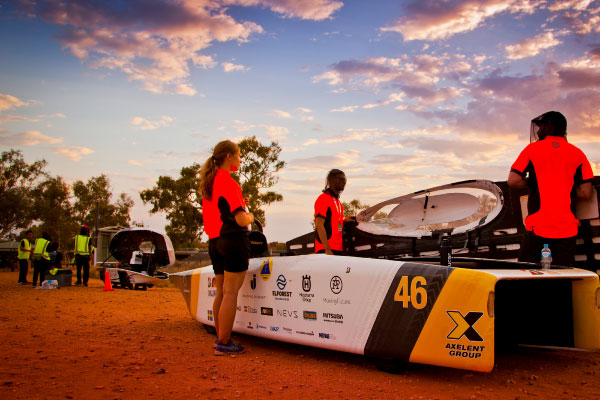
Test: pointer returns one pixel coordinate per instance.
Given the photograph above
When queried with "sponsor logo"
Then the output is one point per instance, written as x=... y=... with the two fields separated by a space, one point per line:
x=329 y=336
x=306 y=283
x=250 y=310
x=281 y=282
x=287 y=330
x=253 y=282
x=460 y=350
x=312 y=315
x=266 y=311
x=258 y=326
x=266 y=268
x=239 y=308
x=333 y=317
x=335 y=284
x=347 y=270
x=212 y=292
x=250 y=325
x=335 y=301
x=556 y=145
x=287 y=313
x=464 y=325
x=274 y=328
x=311 y=333
x=212 y=282
x=210 y=315
x=250 y=296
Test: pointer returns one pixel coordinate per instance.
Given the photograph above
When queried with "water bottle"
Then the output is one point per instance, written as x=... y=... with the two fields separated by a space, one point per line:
x=446 y=252
x=546 y=257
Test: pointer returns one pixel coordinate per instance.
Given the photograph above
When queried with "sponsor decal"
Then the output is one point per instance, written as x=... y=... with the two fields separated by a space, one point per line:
x=266 y=311
x=250 y=310
x=306 y=283
x=329 y=336
x=460 y=350
x=347 y=270
x=212 y=292
x=250 y=296
x=258 y=326
x=212 y=282
x=281 y=282
x=333 y=317
x=310 y=315
x=253 y=282
x=287 y=313
x=464 y=325
x=274 y=328
x=266 y=268
x=250 y=325
x=335 y=301
x=335 y=284
x=281 y=294
x=287 y=330
x=239 y=308
x=210 y=315
x=311 y=333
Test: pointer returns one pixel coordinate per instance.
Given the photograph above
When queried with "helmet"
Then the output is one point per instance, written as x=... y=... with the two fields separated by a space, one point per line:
x=554 y=118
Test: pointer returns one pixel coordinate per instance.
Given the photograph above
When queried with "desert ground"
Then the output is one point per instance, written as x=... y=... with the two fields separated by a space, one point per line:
x=87 y=343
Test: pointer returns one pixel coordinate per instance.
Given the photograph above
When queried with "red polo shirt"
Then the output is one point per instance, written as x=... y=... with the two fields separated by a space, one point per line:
x=227 y=200
x=330 y=207
x=555 y=169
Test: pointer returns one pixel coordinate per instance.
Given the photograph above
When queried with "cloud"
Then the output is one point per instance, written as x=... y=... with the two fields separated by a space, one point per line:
x=134 y=162
x=307 y=110
x=143 y=124
x=29 y=138
x=229 y=67
x=345 y=109
x=315 y=10
x=281 y=114
x=73 y=153
x=8 y=102
x=533 y=46
x=432 y=19
x=274 y=132
x=390 y=159
x=310 y=142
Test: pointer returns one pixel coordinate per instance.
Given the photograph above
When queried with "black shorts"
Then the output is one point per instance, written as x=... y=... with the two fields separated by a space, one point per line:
x=563 y=250
x=229 y=253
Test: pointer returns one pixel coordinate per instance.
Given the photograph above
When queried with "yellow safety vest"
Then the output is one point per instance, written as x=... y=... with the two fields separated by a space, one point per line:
x=24 y=255
x=82 y=245
x=41 y=245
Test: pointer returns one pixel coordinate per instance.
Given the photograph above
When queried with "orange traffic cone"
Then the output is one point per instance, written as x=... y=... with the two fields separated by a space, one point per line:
x=107 y=283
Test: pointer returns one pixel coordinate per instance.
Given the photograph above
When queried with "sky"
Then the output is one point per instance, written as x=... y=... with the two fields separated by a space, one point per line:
x=400 y=95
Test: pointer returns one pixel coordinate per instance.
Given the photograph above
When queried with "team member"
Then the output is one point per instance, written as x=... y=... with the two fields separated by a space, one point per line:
x=225 y=223
x=83 y=250
x=329 y=215
x=557 y=173
x=23 y=255
x=41 y=258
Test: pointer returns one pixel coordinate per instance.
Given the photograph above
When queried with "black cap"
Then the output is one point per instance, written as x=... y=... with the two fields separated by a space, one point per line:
x=554 y=118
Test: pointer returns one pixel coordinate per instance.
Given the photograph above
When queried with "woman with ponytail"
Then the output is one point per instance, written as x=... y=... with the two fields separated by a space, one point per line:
x=225 y=223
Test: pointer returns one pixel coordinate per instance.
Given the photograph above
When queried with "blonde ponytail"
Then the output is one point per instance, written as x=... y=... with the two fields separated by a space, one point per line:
x=212 y=164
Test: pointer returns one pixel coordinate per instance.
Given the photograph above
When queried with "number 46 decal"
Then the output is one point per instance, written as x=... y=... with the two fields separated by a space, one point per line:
x=415 y=294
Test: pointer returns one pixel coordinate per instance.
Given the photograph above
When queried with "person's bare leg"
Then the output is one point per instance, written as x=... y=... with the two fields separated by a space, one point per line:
x=218 y=300
x=231 y=286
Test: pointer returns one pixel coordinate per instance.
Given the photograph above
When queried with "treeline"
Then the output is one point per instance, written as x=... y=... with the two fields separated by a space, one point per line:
x=31 y=198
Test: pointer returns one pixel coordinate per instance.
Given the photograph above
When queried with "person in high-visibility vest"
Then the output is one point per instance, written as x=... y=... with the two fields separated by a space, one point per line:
x=24 y=255
x=41 y=258
x=83 y=250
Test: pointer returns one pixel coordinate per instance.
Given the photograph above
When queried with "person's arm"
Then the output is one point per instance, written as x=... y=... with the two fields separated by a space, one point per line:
x=516 y=181
x=320 y=225
x=243 y=218
x=584 y=191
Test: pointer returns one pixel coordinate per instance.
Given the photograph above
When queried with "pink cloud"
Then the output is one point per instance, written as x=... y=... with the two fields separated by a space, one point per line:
x=307 y=9
x=532 y=46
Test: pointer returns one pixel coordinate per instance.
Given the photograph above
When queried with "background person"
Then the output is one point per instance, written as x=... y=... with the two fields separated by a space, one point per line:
x=41 y=258
x=225 y=223
x=24 y=254
x=83 y=250
x=329 y=215
x=556 y=173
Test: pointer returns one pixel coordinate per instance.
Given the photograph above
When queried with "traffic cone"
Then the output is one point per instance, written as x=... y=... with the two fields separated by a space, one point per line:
x=107 y=283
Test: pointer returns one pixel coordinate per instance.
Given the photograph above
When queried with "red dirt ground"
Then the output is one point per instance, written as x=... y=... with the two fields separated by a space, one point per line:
x=85 y=343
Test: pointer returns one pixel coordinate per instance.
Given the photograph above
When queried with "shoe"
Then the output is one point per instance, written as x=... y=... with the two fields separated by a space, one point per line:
x=77 y=283
x=85 y=284
x=229 y=348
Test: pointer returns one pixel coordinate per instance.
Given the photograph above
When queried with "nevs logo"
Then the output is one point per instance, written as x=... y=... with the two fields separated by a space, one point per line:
x=287 y=313
x=253 y=282
x=464 y=328
x=266 y=311
x=311 y=315
x=306 y=283
x=336 y=284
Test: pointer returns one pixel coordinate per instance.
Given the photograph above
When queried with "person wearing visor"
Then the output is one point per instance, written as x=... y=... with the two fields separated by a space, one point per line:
x=556 y=173
x=329 y=215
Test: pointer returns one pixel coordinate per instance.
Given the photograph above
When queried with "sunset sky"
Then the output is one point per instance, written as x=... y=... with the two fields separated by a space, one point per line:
x=401 y=95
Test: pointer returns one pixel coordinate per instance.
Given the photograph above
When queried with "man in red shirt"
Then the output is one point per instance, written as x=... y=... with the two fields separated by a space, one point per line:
x=556 y=173
x=329 y=215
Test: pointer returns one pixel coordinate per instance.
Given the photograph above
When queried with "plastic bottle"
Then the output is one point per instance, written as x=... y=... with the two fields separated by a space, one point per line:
x=546 y=257
x=446 y=252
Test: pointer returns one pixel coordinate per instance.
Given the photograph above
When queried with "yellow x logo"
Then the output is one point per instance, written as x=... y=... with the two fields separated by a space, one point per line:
x=464 y=326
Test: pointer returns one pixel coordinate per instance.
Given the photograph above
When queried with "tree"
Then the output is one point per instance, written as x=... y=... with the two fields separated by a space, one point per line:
x=53 y=209
x=97 y=192
x=178 y=198
x=257 y=171
x=17 y=178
